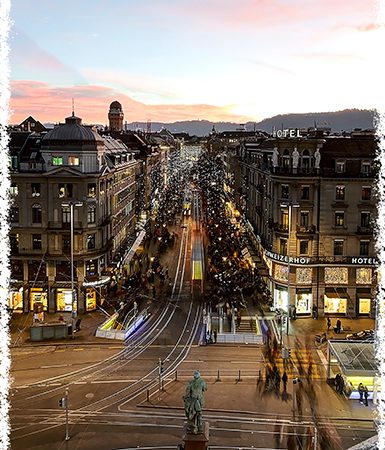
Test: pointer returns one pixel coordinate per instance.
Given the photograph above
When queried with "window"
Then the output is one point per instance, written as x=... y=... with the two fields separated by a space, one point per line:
x=366 y=193
x=304 y=219
x=36 y=213
x=285 y=218
x=14 y=243
x=14 y=190
x=14 y=214
x=66 y=214
x=364 y=248
x=36 y=241
x=91 y=268
x=35 y=188
x=340 y=166
x=303 y=247
x=91 y=190
x=91 y=215
x=65 y=190
x=365 y=219
x=338 y=247
x=365 y=167
x=90 y=242
x=340 y=192
x=284 y=191
x=339 y=218
x=73 y=161
x=66 y=243
x=57 y=160
x=306 y=160
x=283 y=246
x=305 y=192
x=286 y=159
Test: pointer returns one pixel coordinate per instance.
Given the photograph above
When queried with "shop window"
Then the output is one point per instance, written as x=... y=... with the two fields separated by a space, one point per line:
x=64 y=300
x=65 y=190
x=364 y=305
x=364 y=248
x=14 y=189
x=285 y=191
x=339 y=218
x=91 y=190
x=14 y=214
x=281 y=300
x=283 y=246
x=340 y=192
x=338 y=247
x=36 y=214
x=365 y=219
x=303 y=247
x=73 y=161
x=364 y=275
x=90 y=299
x=340 y=166
x=66 y=214
x=91 y=214
x=303 y=302
x=90 y=242
x=38 y=299
x=333 y=304
x=366 y=193
x=304 y=219
x=14 y=243
x=15 y=300
x=91 y=268
x=305 y=192
x=35 y=188
x=36 y=241
x=57 y=160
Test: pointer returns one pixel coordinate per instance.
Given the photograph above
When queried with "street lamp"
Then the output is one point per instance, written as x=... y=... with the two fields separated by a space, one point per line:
x=73 y=305
x=289 y=205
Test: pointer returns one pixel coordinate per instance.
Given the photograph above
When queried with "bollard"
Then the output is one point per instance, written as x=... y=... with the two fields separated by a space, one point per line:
x=239 y=375
x=218 y=378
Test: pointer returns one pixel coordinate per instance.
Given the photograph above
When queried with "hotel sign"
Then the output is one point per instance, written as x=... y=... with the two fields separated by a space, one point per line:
x=286 y=259
x=303 y=260
x=289 y=132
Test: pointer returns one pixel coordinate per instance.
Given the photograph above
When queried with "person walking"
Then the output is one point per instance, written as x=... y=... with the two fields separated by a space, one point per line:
x=361 y=392
x=215 y=336
x=284 y=381
x=338 y=327
x=329 y=323
x=366 y=395
x=294 y=312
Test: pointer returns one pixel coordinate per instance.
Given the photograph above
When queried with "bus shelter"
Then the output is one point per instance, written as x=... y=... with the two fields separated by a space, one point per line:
x=356 y=362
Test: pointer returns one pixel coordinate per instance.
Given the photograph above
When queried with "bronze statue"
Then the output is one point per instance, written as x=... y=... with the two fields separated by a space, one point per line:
x=193 y=403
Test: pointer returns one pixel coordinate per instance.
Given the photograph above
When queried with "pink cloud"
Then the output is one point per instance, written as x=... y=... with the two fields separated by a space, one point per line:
x=52 y=104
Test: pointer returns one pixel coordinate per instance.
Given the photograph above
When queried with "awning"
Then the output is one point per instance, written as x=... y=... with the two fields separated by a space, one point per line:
x=134 y=247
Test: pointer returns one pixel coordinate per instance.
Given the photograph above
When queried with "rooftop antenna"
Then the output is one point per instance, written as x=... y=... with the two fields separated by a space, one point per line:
x=73 y=107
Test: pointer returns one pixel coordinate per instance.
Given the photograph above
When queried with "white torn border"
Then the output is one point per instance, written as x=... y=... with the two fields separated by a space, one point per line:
x=4 y=225
x=378 y=77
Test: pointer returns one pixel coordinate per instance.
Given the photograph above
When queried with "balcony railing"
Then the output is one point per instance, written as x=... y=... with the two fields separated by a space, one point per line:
x=308 y=229
x=364 y=230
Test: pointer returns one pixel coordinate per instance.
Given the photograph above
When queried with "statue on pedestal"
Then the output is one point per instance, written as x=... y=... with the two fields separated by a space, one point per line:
x=317 y=158
x=295 y=157
x=275 y=157
x=193 y=403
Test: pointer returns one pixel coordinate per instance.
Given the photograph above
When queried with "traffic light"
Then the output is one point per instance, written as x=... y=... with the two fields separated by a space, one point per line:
x=288 y=353
x=62 y=402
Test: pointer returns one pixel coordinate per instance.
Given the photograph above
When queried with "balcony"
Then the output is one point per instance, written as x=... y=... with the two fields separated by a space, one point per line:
x=308 y=229
x=281 y=228
x=364 y=230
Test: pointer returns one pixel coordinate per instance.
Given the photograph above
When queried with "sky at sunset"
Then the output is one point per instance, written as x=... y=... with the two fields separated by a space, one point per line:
x=169 y=60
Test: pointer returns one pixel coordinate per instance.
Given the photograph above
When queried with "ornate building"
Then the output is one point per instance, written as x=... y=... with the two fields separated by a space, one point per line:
x=115 y=116
x=308 y=200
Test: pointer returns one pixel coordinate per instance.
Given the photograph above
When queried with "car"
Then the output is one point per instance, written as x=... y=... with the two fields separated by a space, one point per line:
x=361 y=335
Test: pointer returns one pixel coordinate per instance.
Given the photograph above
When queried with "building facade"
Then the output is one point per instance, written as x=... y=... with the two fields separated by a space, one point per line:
x=309 y=203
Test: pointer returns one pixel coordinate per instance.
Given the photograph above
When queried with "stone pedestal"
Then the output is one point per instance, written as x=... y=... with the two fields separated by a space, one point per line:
x=197 y=441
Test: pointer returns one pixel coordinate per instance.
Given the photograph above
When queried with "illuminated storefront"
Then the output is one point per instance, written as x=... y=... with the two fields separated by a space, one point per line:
x=364 y=300
x=38 y=296
x=303 y=301
x=334 y=302
x=15 y=299
x=90 y=299
x=281 y=300
x=64 y=300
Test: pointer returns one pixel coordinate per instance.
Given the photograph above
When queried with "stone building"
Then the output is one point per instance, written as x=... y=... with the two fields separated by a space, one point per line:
x=309 y=203
x=115 y=116
x=70 y=168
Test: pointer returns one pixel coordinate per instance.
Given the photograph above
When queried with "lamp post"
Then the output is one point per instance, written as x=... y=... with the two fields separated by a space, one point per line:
x=73 y=303
x=289 y=206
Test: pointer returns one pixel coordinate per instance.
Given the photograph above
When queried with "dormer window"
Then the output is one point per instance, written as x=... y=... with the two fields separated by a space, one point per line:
x=73 y=161
x=57 y=160
x=365 y=167
x=14 y=189
x=340 y=166
x=91 y=190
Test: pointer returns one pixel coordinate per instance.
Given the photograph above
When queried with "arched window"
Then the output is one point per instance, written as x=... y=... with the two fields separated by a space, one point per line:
x=286 y=159
x=305 y=163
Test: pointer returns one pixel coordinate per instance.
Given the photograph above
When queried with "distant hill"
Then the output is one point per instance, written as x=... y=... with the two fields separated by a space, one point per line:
x=340 y=120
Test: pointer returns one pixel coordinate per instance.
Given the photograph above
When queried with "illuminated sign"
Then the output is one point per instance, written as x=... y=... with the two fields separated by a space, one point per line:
x=289 y=132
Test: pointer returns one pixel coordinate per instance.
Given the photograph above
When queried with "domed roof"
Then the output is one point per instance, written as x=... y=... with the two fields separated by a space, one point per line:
x=115 y=105
x=72 y=130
